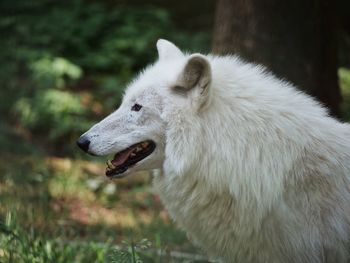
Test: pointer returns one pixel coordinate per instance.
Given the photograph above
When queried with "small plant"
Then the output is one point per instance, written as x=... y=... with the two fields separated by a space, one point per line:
x=131 y=253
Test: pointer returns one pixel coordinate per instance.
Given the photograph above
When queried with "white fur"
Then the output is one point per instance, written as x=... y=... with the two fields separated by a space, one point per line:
x=252 y=169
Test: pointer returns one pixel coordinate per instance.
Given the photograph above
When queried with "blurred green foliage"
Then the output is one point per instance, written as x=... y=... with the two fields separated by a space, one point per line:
x=65 y=63
x=344 y=82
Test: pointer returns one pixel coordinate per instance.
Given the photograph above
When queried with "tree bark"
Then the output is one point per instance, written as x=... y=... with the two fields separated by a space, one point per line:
x=296 y=39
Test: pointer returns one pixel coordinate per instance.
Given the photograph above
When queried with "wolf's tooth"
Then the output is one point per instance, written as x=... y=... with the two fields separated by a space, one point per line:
x=132 y=154
x=110 y=164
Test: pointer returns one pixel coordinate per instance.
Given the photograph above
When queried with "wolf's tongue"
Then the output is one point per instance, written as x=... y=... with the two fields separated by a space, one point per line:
x=121 y=157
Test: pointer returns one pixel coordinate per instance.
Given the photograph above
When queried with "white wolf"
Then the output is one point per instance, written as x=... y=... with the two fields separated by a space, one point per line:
x=252 y=169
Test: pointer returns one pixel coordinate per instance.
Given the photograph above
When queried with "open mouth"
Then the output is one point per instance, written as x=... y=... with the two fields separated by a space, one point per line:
x=123 y=160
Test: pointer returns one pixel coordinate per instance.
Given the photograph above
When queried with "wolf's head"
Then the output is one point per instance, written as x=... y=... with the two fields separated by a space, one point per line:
x=136 y=134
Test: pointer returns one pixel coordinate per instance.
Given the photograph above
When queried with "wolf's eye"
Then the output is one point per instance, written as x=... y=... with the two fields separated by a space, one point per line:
x=136 y=107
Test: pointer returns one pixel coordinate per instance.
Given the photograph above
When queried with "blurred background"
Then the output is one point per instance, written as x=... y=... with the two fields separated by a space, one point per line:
x=64 y=65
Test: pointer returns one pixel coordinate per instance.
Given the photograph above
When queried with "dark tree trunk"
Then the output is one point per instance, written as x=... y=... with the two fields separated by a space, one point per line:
x=296 y=39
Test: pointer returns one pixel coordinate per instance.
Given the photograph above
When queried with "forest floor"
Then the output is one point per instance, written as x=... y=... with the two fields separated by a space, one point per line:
x=50 y=205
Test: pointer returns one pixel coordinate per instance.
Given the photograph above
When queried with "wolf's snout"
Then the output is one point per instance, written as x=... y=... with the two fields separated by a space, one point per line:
x=83 y=142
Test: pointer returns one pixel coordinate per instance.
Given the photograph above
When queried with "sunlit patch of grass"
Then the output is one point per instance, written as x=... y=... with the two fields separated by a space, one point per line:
x=70 y=185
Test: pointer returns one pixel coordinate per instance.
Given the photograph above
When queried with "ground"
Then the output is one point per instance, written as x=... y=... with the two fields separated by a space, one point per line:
x=64 y=203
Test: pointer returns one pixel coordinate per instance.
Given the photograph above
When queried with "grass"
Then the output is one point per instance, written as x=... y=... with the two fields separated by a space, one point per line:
x=19 y=245
x=64 y=210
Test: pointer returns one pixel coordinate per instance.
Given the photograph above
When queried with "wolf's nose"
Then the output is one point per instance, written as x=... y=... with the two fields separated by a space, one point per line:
x=83 y=143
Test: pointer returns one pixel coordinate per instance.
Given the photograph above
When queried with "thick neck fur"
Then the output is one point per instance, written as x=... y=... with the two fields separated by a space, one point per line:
x=252 y=126
x=261 y=174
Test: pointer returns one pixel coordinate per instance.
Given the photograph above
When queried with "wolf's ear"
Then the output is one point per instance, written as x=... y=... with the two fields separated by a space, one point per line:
x=195 y=78
x=167 y=50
